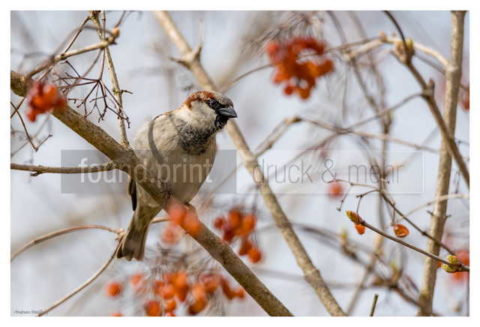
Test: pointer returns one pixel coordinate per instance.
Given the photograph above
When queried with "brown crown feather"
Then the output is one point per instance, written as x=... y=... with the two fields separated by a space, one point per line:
x=198 y=96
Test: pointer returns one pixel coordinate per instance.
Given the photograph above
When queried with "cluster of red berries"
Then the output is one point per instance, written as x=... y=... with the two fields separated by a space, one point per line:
x=293 y=68
x=43 y=98
x=239 y=226
x=175 y=289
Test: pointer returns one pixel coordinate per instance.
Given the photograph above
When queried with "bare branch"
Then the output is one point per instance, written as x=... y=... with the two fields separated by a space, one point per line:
x=434 y=257
x=65 y=55
x=54 y=234
x=452 y=86
x=438 y=219
x=37 y=170
x=374 y=305
x=117 y=91
x=128 y=162
x=81 y=287
x=191 y=60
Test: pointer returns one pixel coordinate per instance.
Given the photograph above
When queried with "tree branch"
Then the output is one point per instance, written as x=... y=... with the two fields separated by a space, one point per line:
x=127 y=161
x=117 y=91
x=54 y=234
x=438 y=219
x=37 y=170
x=453 y=77
x=81 y=287
x=65 y=55
x=191 y=60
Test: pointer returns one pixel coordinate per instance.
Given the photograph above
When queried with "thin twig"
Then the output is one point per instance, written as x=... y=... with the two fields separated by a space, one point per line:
x=445 y=197
x=81 y=287
x=374 y=305
x=461 y=267
x=117 y=91
x=37 y=170
x=65 y=55
x=54 y=234
x=452 y=86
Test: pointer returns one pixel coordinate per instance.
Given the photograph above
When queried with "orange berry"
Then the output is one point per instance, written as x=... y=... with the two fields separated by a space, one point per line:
x=335 y=190
x=180 y=281
x=152 y=308
x=303 y=93
x=170 y=305
x=158 y=286
x=219 y=222
x=136 y=280
x=272 y=47
x=254 y=254
x=228 y=233
x=191 y=224
x=248 y=224
x=245 y=246
x=360 y=229
x=31 y=115
x=168 y=291
x=113 y=289
x=197 y=306
x=288 y=90
x=177 y=212
x=199 y=292
x=116 y=314
x=182 y=294
x=281 y=75
x=229 y=293
x=210 y=281
x=234 y=218
x=400 y=230
x=240 y=293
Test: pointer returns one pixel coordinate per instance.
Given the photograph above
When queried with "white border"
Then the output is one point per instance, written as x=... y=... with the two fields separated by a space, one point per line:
x=240 y=5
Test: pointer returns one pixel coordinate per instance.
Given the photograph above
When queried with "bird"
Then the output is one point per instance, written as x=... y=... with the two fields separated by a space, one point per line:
x=179 y=148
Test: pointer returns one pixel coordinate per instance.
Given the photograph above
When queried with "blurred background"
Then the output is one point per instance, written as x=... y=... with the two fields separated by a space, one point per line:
x=233 y=43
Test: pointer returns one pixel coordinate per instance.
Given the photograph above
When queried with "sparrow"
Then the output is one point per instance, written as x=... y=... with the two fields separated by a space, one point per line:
x=179 y=148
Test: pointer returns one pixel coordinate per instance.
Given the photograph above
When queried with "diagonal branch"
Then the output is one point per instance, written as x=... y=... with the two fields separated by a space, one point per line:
x=65 y=55
x=191 y=60
x=127 y=161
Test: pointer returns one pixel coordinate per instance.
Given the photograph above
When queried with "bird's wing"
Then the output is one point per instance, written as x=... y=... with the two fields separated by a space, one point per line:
x=154 y=139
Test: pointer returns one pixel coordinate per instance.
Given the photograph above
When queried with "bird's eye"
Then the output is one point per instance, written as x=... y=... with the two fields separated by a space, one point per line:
x=214 y=104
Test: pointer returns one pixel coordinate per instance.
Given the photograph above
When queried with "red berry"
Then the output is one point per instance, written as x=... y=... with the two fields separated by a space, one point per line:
x=114 y=289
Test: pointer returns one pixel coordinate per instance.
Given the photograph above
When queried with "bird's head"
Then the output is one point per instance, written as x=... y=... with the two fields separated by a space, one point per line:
x=205 y=109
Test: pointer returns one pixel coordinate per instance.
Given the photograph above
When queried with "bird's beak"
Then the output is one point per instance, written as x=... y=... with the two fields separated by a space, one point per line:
x=227 y=112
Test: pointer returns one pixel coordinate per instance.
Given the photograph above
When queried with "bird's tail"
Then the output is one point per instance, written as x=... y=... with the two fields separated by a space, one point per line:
x=133 y=244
